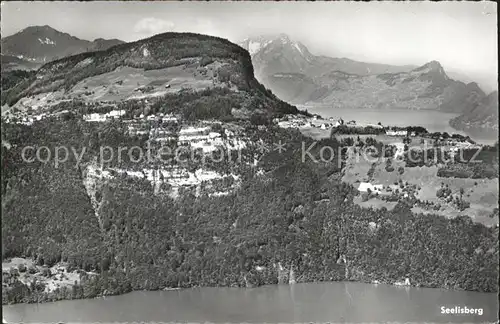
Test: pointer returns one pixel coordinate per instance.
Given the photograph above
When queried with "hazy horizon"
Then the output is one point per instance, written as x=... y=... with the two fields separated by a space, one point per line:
x=462 y=36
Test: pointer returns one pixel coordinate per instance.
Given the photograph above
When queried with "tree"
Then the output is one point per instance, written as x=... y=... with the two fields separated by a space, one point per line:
x=259 y=119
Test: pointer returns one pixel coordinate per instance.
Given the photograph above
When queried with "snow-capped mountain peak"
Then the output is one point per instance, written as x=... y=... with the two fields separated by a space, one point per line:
x=254 y=46
x=284 y=39
x=44 y=43
x=257 y=45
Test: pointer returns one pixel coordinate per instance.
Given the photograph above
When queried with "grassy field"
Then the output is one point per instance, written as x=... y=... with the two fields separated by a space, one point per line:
x=356 y=170
x=381 y=176
x=124 y=83
x=482 y=194
x=374 y=203
x=38 y=101
x=315 y=133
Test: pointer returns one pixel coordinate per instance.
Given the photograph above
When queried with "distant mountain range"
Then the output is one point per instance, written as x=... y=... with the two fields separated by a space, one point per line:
x=292 y=72
x=295 y=75
x=42 y=44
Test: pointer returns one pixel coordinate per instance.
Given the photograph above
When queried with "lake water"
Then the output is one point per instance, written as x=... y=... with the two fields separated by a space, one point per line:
x=433 y=121
x=305 y=302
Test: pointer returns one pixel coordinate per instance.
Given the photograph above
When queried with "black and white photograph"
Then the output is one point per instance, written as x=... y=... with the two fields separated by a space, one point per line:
x=249 y=162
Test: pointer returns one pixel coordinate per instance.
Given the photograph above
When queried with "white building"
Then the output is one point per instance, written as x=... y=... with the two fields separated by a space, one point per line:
x=94 y=117
x=213 y=135
x=364 y=186
x=391 y=132
x=228 y=133
x=208 y=146
x=115 y=113
x=194 y=134
x=192 y=138
x=194 y=131
x=169 y=119
x=165 y=139
x=286 y=124
x=400 y=149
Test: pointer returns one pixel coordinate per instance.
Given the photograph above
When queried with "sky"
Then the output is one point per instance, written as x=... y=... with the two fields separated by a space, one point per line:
x=462 y=36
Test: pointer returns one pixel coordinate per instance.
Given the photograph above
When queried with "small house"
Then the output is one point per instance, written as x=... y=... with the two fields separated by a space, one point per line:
x=391 y=132
x=364 y=186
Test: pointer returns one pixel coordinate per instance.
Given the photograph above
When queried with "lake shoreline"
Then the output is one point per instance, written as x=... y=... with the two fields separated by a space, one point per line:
x=431 y=119
x=297 y=303
x=50 y=298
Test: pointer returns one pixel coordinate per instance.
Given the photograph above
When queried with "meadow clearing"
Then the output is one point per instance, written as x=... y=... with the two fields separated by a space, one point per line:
x=482 y=194
x=127 y=83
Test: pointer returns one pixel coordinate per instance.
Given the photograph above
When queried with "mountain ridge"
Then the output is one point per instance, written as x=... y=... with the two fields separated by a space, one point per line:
x=42 y=44
x=256 y=45
x=167 y=64
x=302 y=78
x=482 y=118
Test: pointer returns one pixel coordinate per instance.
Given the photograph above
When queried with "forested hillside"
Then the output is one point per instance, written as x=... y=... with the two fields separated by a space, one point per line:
x=293 y=217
